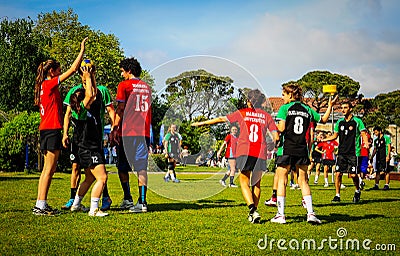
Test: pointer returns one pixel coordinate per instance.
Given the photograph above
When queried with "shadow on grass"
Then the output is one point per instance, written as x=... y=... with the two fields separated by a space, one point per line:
x=202 y=204
x=334 y=217
x=24 y=178
x=366 y=201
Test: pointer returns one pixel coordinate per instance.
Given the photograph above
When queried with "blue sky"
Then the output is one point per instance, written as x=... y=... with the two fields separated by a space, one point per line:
x=272 y=41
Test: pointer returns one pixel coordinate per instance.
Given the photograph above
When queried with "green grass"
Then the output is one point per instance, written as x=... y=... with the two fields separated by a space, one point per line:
x=206 y=220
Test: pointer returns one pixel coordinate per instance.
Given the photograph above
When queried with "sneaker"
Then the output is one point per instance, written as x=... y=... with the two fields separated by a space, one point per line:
x=106 y=204
x=254 y=217
x=138 y=208
x=376 y=187
x=356 y=197
x=386 y=187
x=311 y=218
x=271 y=202
x=176 y=181
x=336 y=199
x=222 y=183
x=315 y=182
x=68 y=205
x=326 y=185
x=233 y=185
x=97 y=213
x=303 y=203
x=126 y=204
x=47 y=211
x=342 y=186
x=79 y=208
x=166 y=179
x=295 y=186
x=279 y=219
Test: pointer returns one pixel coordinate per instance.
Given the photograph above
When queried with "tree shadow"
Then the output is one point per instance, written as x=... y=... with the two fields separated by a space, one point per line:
x=2 y=178
x=362 y=201
x=335 y=217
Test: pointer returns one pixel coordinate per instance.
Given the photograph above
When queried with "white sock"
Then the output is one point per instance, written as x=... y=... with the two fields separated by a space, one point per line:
x=172 y=175
x=326 y=180
x=316 y=178
x=281 y=204
x=41 y=204
x=358 y=191
x=77 y=200
x=94 y=203
x=308 y=201
x=338 y=195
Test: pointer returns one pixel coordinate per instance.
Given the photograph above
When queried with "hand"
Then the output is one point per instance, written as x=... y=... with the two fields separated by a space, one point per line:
x=331 y=101
x=83 y=42
x=65 y=141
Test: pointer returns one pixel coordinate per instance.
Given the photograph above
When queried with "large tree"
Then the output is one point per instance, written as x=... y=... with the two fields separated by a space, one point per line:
x=197 y=93
x=20 y=55
x=313 y=82
x=385 y=110
x=66 y=33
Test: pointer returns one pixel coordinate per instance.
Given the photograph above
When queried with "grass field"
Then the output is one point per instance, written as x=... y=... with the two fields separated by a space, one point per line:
x=197 y=217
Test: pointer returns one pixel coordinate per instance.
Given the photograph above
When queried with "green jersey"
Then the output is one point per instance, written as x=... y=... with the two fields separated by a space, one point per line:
x=349 y=136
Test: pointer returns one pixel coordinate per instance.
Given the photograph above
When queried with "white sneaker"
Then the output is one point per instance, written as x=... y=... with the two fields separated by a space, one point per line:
x=97 y=213
x=137 y=208
x=254 y=217
x=342 y=186
x=126 y=204
x=271 y=202
x=222 y=183
x=80 y=208
x=233 y=185
x=315 y=182
x=279 y=219
x=326 y=185
x=311 y=218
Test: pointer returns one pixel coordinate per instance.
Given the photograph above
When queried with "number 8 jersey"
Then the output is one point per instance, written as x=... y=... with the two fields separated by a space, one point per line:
x=253 y=125
x=298 y=117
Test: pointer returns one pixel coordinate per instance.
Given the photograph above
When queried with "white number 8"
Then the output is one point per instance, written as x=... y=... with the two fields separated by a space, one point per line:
x=298 y=125
x=253 y=136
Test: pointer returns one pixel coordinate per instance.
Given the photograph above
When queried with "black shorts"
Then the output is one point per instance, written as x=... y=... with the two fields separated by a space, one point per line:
x=328 y=162
x=317 y=160
x=347 y=164
x=50 y=140
x=74 y=154
x=91 y=158
x=382 y=166
x=250 y=163
x=292 y=160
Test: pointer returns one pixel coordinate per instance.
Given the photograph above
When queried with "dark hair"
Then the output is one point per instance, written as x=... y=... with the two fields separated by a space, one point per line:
x=42 y=73
x=378 y=128
x=132 y=65
x=76 y=99
x=256 y=97
x=347 y=102
x=294 y=89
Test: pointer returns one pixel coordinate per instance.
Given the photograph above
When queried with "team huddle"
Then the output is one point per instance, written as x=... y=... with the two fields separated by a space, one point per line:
x=246 y=152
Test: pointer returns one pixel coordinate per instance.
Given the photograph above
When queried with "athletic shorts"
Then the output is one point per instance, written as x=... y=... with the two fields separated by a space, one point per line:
x=91 y=158
x=317 y=160
x=347 y=164
x=291 y=160
x=137 y=151
x=251 y=163
x=173 y=156
x=328 y=162
x=50 y=140
x=74 y=154
x=363 y=160
x=382 y=166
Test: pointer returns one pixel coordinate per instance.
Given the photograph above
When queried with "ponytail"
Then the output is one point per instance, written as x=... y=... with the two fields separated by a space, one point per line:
x=42 y=73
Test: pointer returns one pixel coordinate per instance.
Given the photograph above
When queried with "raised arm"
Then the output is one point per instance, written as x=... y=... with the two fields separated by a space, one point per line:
x=75 y=65
x=331 y=102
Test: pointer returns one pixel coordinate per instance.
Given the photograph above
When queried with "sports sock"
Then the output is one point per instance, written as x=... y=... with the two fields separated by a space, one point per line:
x=77 y=200
x=142 y=194
x=41 y=204
x=94 y=203
x=231 y=178
x=308 y=201
x=252 y=208
x=274 y=193
x=105 y=191
x=338 y=195
x=171 y=172
x=357 y=191
x=326 y=180
x=225 y=177
x=73 y=192
x=281 y=204
x=127 y=190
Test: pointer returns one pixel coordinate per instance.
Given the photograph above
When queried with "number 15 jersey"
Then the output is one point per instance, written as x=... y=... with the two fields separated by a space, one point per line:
x=298 y=117
x=253 y=125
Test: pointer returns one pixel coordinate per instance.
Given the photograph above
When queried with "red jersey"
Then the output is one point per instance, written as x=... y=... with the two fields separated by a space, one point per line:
x=231 y=143
x=136 y=95
x=253 y=125
x=50 y=105
x=329 y=148
x=365 y=151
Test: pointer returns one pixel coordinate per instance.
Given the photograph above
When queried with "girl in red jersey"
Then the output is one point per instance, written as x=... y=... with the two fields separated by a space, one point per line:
x=251 y=146
x=48 y=99
x=230 y=154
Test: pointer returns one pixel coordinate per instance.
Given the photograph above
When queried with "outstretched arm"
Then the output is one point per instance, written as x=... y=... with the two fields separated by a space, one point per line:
x=221 y=119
